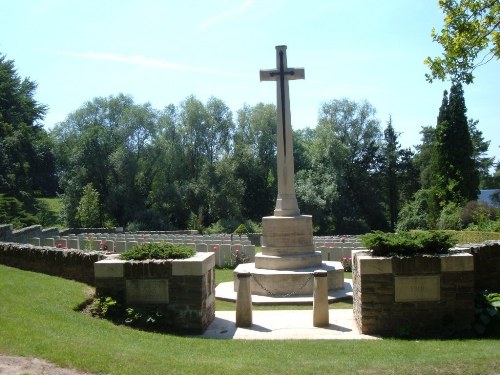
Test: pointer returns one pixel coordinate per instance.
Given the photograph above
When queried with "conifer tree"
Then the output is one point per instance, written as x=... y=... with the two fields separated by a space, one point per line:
x=455 y=175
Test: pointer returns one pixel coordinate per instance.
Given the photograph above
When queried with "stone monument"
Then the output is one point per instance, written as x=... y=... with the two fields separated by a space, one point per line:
x=288 y=259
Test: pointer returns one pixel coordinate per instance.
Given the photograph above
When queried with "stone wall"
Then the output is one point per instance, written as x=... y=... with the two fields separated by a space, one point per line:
x=186 y=288
x=69 y=264
x=486 y=265
x=413 y=296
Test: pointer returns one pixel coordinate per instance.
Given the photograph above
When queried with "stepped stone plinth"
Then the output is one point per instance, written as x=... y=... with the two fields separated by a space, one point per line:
x=288 y=259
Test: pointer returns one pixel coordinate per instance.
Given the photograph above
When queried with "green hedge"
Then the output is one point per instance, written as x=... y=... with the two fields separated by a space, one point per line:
x=408 y=243
x=160 y=250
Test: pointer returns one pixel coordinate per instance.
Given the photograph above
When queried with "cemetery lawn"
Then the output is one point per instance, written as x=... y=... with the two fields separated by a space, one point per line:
x=38 y=319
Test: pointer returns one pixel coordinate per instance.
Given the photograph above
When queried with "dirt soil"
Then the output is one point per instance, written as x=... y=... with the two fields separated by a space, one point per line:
x=10 y=365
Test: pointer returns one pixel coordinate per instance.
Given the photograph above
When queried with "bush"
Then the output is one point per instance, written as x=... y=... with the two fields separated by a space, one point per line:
x=476 y=212
x=415 y=213
x=346 y=264
x=450 y=217
x=160 y=250
x=408 y=243
x=242 y=229
x=487 y=313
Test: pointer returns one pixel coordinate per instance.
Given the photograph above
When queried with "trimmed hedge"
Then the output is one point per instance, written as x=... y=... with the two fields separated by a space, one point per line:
x=161 y=250
x=408 y=243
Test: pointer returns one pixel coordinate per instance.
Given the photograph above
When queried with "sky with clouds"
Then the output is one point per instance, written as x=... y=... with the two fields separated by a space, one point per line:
x=161 y=51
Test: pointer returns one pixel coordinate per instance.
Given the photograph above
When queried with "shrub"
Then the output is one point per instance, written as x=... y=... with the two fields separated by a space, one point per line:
x=242 y=229
x=450 y=217
x=160 y=250
x=415 y=213
x=487 y=311
x=346 y=264
x=476 y=212
x=408 y=243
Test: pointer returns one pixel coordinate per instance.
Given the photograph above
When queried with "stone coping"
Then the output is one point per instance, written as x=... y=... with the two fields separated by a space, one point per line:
x=197 y=265
x=370 y=265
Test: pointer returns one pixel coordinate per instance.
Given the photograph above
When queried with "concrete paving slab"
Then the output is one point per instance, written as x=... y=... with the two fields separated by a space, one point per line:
x=285 y=325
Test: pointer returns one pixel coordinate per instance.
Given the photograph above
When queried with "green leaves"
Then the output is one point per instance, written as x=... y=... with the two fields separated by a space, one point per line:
x=470 y=27
x=408 y=243
x=160 y=250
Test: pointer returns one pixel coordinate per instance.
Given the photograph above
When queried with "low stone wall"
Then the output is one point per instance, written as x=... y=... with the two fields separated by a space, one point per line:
x=412 y=296
x=185 y=287
x=486 y=265
x=69 y=264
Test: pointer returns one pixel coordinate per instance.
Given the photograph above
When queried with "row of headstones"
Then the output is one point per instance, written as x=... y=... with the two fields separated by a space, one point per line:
x=336 y=248
x=174 y=238
x=226 y=254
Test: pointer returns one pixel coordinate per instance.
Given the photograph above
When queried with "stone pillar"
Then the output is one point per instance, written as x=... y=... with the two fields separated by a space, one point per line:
x=244 y=301
x=320 y=303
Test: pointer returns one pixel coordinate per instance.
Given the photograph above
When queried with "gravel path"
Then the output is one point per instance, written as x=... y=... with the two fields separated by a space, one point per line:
x=10 y=365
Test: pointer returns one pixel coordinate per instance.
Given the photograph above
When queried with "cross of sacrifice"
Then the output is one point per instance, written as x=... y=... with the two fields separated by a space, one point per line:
x=286 y=203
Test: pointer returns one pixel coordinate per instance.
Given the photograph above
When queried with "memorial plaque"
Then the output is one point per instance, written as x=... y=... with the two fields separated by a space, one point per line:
x=417 y=288
x=143 y=291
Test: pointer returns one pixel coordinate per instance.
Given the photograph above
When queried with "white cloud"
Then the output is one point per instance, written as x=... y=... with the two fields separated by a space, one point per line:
x=240 y=9
x=149 y=62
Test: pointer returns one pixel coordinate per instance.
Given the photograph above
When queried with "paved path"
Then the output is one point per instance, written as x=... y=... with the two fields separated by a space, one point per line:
x=285 y=325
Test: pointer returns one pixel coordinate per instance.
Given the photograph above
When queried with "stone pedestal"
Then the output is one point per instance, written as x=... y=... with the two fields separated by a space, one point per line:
x=287 y=244
x=288 y=260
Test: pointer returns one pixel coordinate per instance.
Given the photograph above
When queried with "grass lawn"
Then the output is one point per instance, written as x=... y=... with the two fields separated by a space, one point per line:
x=37 y=319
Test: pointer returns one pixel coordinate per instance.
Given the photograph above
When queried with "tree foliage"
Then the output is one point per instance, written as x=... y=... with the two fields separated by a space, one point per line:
x=88 y=210
x=470 y=38
x=26 y=156
x=455 y=172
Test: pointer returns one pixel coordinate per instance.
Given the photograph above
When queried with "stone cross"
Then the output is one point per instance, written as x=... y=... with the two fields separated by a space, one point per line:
x=286 y=203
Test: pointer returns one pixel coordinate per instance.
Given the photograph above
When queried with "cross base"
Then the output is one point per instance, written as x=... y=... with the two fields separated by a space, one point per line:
x=286 y=205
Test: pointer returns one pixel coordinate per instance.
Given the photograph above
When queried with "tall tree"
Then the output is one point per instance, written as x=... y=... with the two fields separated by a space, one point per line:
x=26 y=152
x=390 y=172
x=480 y=148
x=470 y=27
x=400 y=176
x=348 y=139
x=106 y=143
x=255 y=158
x=456 y=178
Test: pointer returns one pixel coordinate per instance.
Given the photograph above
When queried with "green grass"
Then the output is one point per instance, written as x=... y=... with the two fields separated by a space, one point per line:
x=465 y=236
x=37 y=319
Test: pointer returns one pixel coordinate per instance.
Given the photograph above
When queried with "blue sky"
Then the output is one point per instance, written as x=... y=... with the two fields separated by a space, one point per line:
x=163 y=51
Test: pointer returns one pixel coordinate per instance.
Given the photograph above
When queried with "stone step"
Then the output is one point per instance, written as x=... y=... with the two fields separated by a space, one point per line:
x=281 y=283
x=288 y=262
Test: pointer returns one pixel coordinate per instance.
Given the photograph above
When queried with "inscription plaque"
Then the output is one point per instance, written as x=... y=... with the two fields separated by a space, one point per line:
x=417 y=288
x=152 y=291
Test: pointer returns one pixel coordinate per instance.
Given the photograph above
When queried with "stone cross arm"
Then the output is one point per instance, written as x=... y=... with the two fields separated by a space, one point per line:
x=274 y=75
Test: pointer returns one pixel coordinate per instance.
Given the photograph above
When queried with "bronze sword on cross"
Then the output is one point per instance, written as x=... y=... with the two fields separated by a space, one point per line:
x=286 y=204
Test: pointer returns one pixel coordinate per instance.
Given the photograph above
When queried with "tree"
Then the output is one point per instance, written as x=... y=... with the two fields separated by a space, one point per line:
x=455 y=176
x=107 y=143
x=480 y=149
x=26 y=157
x=390 y=172
x=471 y=27
x=88 y=208
x=255 y=159
x=347 y=142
